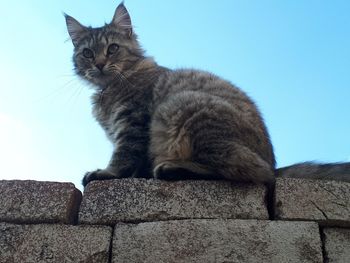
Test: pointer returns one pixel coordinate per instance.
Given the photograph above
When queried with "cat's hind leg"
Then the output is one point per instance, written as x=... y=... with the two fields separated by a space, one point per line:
x=172 y=153
x=170 y=146
x=182 y=170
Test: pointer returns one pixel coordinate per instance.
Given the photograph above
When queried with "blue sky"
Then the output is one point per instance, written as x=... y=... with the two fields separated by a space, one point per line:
x=291 y=57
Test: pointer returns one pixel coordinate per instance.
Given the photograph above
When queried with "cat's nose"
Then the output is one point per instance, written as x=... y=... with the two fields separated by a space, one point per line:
x=100 y=66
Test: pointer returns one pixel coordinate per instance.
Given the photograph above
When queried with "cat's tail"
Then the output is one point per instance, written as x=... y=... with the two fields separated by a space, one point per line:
x=310 y=170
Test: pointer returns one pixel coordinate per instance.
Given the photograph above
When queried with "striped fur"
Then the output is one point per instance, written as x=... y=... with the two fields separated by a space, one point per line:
x=169 y=124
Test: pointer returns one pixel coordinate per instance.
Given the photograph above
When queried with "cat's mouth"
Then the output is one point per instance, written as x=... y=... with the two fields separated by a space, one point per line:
x=100 y=77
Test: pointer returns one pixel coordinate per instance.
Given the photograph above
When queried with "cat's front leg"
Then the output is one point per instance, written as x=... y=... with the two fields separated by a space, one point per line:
x=99 y=174
x=130 y=159
x=119 y=167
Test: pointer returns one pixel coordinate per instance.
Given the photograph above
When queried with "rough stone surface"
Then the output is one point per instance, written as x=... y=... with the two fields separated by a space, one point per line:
x=337 y=245
x=54 y=243
x=38 y=202
x=327 y=202
x=215 y=240
x=137 y=200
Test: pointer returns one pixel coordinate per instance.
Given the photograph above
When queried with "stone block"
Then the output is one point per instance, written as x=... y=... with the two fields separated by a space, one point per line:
x=327 y=202
x=337 y=245
x=138 y=200
x=54 y=243
x=38 y=202
x=216 y=240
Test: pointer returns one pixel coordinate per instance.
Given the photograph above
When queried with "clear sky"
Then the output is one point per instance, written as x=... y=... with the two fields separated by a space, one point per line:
x=291 y=57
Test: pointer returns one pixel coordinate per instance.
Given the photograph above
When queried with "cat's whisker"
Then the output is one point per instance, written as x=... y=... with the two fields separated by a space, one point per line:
x=88 y=75
x=57 y=90
x=71 y=75
x=75 y=97
x=122 y=77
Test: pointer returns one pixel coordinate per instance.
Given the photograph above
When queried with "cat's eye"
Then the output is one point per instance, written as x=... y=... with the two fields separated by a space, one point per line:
x=112 y=48
x=88 y=53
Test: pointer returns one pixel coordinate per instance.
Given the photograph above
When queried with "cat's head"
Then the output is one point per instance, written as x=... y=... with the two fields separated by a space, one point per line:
x=102 y=54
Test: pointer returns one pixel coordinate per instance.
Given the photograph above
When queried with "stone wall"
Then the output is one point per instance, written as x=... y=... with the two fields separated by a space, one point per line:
x=139 y=220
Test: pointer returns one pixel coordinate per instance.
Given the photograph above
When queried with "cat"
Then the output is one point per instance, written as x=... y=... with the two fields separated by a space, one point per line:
x=174 y=124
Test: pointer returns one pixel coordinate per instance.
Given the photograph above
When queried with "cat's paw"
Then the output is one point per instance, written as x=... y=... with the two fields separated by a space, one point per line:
x=170 y=171
x=98 y=174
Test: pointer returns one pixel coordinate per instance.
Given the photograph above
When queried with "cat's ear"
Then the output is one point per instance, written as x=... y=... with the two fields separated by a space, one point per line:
x=122 y=20
x=75 y=29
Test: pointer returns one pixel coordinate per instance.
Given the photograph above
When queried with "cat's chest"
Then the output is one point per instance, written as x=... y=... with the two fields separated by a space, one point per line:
x=111 y=119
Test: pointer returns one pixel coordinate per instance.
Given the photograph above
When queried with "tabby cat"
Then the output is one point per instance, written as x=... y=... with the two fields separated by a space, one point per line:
x=173 y=124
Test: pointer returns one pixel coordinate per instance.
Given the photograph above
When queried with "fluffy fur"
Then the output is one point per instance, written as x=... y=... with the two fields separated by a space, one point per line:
x=169 y=124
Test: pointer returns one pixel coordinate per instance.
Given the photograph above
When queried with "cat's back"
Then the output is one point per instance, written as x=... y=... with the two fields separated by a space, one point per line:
x=174 y=81
x=202 y=85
